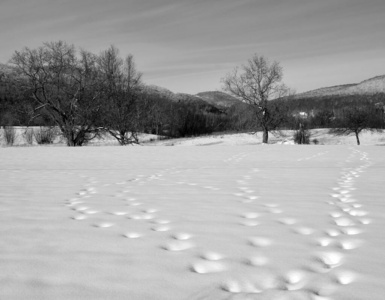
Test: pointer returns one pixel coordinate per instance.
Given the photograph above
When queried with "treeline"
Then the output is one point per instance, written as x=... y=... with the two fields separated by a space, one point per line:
x=87 y=95
x=330 y=111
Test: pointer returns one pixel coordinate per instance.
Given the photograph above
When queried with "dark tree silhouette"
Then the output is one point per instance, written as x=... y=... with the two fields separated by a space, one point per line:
x=354 y=120
x=65 y=85
x=125 y=105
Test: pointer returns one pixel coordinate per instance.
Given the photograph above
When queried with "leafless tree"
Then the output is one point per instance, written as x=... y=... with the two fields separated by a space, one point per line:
x=355 y=120
x=256 y=83
x=64 y=84
x=125 y=103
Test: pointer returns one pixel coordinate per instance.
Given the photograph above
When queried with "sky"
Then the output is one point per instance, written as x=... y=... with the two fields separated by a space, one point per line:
x=189 y=45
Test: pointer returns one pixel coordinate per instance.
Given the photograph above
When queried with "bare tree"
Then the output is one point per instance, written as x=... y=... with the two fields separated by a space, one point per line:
x=354 y=120
x=125 y=103
x=64 y=85
x=256 y=83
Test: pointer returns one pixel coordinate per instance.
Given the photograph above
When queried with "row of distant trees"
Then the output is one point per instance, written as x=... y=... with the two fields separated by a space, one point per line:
x=87 y=95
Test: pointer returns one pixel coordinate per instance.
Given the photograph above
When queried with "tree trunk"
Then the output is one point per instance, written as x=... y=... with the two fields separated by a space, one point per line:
x=69 y=137
x=74 y=140
x=301 y=134
x=70 y=142
x=265 y=136
x=357 y=138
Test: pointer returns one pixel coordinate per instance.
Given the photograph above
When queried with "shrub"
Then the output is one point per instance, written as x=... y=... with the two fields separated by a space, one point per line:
x=302 y=136
x=45 y=135
x=28 y=135
x=9 y=135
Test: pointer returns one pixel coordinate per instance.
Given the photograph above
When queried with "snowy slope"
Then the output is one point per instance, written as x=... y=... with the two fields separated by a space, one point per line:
x=164 y=223
x=367 y=87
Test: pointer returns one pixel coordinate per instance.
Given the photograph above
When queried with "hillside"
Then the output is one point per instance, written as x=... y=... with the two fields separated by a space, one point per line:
x=161 y=93
x=370 y=86
x=213 y=98
x=218 y=98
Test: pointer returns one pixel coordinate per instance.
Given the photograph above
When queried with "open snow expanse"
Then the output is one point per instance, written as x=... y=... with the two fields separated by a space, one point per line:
x=242 y=222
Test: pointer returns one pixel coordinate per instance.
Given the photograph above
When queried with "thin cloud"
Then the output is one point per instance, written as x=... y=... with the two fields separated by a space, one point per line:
x=176 y=40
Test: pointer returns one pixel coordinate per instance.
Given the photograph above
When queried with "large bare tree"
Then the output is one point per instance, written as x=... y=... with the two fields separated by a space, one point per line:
x=256 y=83
x=66 y=85
x=125 y=103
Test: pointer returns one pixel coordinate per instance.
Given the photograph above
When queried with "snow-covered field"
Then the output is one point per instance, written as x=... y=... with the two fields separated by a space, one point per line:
x=238 y=222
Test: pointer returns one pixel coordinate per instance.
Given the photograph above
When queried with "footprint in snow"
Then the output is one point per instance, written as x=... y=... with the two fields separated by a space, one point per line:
x=324 y=241
x=304 y=230
x=250 y=215
x=350 y=244
x=358 y=213
x=336 y=214
x=212 y=256
x=333 y=232
x=74 y=203
x=240 y=287
x=150 y=210
x=330 y=260
x=365 y=221
x=161 y=221
x=259 y=241
x=177 y=245
x=257 y=260
x=81 y=208
x=104 y=225
x=90 y=212
x=344 y=277
x=205 y=267
x=352 y=231
x=132 y=235
x=287 y=221
x=181 y=236
x=294 y=280
x=344 y=222
x=79 y=217
x=118 y=213
x=161 y=228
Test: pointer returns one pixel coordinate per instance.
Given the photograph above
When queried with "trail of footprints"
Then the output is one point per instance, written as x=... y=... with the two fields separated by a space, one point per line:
x=325 y=271
x=347 y=217
x=135 y=209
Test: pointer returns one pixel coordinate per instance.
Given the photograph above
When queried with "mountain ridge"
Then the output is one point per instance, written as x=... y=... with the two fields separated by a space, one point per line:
x=369 y=86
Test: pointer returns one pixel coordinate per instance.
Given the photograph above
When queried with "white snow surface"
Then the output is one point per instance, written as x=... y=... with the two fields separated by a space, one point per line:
x=238 y=222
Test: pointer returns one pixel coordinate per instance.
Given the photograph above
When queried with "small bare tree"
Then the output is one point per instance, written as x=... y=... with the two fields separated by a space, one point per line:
x=354 y=120
x=9 y=133
x=28 y=135
x=256 y=83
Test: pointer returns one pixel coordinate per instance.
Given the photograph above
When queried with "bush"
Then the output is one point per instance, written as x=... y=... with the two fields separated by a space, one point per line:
x=302 y=136
x=45 y=135
x=9 y=135
x=28 y=135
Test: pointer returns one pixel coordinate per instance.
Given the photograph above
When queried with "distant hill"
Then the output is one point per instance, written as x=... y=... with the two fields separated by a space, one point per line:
x=370 y=86
x=163 y=93
x=218 y=98
x=159 y=91
x=214 y=98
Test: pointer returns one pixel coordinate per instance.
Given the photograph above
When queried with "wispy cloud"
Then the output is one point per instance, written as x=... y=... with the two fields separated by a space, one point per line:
x=190 y=44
